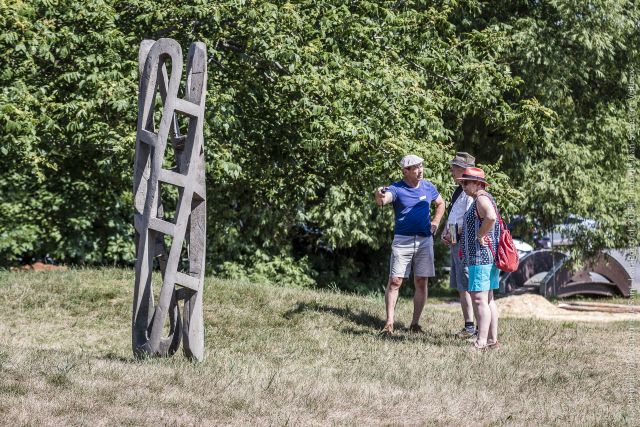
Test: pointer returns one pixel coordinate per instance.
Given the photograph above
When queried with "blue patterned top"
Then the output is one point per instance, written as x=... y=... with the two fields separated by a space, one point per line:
x=472 y=252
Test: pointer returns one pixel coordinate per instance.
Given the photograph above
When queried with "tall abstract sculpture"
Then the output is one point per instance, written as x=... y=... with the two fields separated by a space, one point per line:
x=158 y=328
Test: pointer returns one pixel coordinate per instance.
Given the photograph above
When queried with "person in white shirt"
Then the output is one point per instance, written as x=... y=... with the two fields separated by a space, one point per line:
x=459 y=278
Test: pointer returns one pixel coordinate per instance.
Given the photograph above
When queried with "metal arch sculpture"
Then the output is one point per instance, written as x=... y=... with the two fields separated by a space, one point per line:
x=531 y=264
x=563 y=281
x=189 y=224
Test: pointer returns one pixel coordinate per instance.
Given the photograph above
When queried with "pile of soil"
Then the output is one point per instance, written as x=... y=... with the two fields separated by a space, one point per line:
x=536 y=306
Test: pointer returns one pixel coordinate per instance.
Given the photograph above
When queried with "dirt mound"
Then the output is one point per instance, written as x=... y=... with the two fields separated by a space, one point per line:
x=531 y=305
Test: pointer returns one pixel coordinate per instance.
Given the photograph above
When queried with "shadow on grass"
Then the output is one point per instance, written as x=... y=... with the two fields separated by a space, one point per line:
x=373 y=324
x=402 y=334
x=361 y=318
x=118 y=358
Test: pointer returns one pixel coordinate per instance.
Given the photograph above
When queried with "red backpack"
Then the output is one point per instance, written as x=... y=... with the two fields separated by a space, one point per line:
x=507 y=257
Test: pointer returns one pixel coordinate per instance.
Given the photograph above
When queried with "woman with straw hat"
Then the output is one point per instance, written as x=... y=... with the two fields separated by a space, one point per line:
x=479 y=241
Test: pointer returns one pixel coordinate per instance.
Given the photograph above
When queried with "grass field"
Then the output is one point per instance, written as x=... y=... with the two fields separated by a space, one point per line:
x=283 y=356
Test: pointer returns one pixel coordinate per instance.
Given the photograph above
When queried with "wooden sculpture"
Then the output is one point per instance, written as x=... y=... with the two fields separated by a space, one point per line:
x=158 y=328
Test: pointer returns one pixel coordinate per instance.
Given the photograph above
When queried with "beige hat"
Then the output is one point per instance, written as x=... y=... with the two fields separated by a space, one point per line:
x=410 y=160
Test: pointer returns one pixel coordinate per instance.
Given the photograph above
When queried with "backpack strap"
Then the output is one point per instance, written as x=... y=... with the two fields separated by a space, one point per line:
x=492 y=252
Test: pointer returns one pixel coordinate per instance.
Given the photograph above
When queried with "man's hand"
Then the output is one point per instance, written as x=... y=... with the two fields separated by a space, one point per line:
x=446 y=237
x=382 y=196
x=434 y=227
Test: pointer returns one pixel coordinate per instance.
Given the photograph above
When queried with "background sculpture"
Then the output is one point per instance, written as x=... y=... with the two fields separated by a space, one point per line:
x=157 y=328
x=606 y=274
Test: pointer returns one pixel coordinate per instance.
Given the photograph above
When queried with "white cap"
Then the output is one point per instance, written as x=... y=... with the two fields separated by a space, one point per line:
x=410 y=160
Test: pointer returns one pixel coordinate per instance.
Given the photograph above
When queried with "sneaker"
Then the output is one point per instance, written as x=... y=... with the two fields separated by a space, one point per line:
x=467 y=333
x=387 y=330
x=416 y=329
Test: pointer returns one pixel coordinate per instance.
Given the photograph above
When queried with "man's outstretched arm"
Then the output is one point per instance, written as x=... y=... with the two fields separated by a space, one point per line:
x=383 y=197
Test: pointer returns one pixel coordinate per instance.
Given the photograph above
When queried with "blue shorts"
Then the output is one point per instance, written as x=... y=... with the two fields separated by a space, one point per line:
x=483 y=277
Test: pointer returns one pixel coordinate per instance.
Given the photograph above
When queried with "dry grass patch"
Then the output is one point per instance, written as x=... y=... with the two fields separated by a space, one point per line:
x=292 y=356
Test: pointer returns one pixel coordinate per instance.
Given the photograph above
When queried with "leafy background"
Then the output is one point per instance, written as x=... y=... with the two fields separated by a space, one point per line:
x=310 y=104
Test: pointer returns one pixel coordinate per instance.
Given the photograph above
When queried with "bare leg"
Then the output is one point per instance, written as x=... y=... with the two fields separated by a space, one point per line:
x=467 y=306
x=481 y=305
x=391 y=297
x=493 y=326
x=475 y=312
x=419 y=299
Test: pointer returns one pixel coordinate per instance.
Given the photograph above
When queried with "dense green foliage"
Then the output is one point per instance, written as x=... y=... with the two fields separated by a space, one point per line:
x=67 y=105
x=309 y=107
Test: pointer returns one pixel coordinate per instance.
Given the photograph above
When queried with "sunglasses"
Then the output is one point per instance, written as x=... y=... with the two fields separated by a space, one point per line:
x=464 y=182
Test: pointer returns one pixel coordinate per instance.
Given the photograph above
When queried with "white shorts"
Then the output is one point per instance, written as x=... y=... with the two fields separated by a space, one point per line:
x=408 y=250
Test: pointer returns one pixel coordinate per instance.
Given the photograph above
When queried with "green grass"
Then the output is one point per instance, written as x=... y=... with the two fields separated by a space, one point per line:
x=281 y=356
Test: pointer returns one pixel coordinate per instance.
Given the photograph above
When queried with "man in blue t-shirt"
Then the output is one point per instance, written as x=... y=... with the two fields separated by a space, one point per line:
x=413 y=236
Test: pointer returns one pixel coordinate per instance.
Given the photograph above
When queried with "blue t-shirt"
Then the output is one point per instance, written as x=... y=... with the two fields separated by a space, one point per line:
x=411 y=207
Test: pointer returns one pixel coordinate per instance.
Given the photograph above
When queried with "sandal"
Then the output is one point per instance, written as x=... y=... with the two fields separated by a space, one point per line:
x=387 y=331
x=479 y=348
x=493 y=346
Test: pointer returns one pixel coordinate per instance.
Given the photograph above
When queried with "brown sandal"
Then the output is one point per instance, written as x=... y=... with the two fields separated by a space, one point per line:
x=387 y=330
x=493 y=346
x=479 y=348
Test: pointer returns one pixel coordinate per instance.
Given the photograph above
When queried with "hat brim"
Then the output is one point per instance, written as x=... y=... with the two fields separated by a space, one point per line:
x=477 y=179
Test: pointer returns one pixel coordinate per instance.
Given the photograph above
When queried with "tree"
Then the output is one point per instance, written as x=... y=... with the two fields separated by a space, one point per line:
x=310 y=106
x=67 y=106
x=579 y=60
